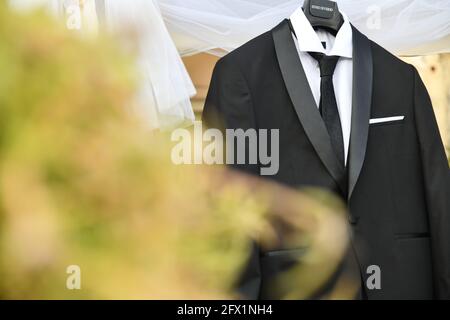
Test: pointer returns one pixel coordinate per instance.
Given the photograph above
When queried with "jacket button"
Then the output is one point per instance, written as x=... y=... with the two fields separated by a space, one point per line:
x=353 y=220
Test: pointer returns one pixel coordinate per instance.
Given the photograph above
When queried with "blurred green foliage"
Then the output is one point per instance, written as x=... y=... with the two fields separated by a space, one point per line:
x=83 y=183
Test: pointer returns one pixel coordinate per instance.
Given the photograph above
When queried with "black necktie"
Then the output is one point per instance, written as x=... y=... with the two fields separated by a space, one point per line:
x=328 y=105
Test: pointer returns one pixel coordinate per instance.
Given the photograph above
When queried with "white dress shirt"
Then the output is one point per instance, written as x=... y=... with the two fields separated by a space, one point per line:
x=309 y=40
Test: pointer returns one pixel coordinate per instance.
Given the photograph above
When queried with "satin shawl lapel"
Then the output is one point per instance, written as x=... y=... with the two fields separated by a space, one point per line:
x=361 y=106
x=303 y=100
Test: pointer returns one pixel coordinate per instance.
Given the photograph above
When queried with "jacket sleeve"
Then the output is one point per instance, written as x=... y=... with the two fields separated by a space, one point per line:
x=229 y=106
x=436 y=176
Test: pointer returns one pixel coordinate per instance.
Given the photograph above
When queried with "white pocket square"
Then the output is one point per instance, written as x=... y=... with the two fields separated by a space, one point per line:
x=387 y=119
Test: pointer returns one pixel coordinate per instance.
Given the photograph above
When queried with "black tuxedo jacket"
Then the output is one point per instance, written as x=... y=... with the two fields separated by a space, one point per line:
x=398 y=189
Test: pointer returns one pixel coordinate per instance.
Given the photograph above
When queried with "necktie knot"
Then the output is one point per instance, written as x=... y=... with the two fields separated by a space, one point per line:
x=327 y=64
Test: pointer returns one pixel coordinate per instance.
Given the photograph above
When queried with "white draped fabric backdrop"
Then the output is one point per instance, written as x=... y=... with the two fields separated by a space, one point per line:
x=170 y=29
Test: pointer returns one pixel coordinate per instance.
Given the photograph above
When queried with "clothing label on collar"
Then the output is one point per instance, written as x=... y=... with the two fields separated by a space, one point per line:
x=322 y=8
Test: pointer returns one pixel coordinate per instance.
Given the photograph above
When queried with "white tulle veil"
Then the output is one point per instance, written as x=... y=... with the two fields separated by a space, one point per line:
x=405 y=27
x=166 y=88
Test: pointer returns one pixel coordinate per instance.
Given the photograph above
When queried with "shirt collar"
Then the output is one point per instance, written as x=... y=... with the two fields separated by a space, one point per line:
x=308 y=40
